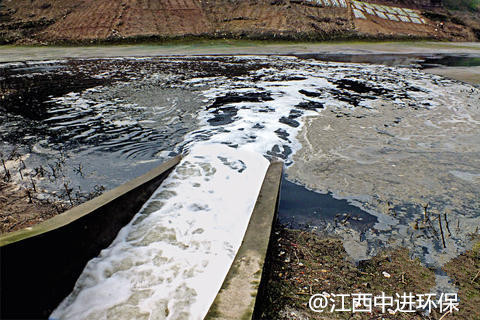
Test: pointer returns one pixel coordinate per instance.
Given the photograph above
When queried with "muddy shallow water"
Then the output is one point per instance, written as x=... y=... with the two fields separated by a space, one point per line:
x=380 y=154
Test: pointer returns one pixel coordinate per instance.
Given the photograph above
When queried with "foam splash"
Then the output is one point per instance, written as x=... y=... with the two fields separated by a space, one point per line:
x=149 y=272
x=169 y=262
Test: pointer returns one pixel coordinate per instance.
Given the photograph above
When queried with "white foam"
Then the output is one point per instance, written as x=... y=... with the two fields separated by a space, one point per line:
x=175 y=253
x=242 y=131
x=170 y=261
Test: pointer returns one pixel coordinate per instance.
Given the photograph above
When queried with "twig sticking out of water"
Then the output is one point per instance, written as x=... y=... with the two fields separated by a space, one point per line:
x=29 y=196
x=7 y=173
x=446 y=314
x=33 y=185
x=23 y=166
x=475 y=278
x=446 y=223
x=425 y=213
x=79 y=170
x=427 y=219
x=68 y=191
x=441 y=230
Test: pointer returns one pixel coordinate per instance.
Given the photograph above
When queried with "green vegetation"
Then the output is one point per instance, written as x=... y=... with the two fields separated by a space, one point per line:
x=471 y=5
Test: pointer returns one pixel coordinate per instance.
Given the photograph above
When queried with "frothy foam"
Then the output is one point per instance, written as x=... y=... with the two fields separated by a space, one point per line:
x=168 y=262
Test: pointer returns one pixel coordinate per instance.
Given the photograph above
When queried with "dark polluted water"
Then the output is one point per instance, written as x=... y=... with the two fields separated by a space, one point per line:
x=424 y=61
x=384 y=138
x=300 y=208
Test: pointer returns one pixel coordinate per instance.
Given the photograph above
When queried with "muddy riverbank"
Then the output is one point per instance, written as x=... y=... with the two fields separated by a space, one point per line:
x=20 y=209
x=383 y=154
x=304 y=263
x=11 y=53
x=102 y=21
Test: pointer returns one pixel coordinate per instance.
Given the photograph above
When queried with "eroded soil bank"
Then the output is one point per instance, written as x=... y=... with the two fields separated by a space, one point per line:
x=304 y=263
x=19 y=209
x=390 y=149
x=90 y=21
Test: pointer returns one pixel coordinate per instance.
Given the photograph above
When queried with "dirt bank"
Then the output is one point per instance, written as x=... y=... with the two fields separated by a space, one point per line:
x=19 y=208
x=465 y=273
x=304 y=263
x=85 y=21
x=399 y=165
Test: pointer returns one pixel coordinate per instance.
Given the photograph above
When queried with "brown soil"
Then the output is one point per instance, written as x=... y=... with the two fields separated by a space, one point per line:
x=19 y=209
x=80 y=21
x=448 y=30
x=303 y=263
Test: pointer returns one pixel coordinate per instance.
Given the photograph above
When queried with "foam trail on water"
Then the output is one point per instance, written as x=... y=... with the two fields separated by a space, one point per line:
x=170 y=261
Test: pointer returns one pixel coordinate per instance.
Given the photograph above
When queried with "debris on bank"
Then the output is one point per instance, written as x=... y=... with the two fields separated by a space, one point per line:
x=20 y=209
x=303 y=263
x=30 y=195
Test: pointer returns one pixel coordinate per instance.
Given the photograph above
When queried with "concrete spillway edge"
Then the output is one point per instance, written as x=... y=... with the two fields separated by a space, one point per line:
x=237 y=296
x=40 y=265
x=89 y=206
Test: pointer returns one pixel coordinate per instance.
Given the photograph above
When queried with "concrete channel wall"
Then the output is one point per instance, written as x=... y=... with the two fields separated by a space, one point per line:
x=40 y=265
x=237 y=297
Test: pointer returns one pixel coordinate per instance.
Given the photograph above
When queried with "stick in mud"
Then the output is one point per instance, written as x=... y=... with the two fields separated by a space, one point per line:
x=33 y=185
x=7 y=173
x=446 y=223
x=425 y=214
x=475 y=278
x=68 y=192
x=441 y=229
x=427 y=219
x=29 y=196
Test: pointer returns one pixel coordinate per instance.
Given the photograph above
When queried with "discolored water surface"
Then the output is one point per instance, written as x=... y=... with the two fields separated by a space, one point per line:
x=373 y=149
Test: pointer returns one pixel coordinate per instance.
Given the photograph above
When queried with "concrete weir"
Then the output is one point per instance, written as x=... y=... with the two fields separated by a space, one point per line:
x=237 y=297
x=40 y=265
